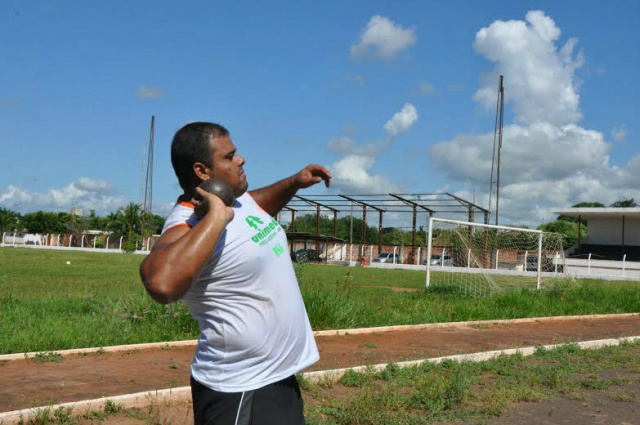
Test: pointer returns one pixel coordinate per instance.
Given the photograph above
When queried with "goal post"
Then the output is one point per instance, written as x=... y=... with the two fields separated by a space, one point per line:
x=480 y=258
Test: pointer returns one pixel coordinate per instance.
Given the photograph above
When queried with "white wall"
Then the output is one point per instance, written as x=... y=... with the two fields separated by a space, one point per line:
x=608 y=231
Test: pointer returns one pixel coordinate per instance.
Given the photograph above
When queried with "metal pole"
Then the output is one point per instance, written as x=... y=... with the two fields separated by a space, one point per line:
x=379 y=232
x=539 y=260
x=501 y=94
x=579 y=229
x=364 y=225
x=413 y=235
x=351 y=227
x=148 y=189
x=429 y=252
x=623 y=248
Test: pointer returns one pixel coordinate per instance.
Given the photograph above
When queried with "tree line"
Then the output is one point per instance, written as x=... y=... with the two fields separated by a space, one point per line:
x=129 y=221
x=390 y=235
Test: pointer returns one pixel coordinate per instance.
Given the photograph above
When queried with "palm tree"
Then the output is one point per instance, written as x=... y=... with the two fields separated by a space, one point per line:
x=127 y=221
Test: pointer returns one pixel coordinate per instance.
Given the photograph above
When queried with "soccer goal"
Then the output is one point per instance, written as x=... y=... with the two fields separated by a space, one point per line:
x=479 y=259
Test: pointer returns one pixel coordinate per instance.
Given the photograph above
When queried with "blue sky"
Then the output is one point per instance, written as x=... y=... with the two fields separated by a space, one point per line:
x=302 y=82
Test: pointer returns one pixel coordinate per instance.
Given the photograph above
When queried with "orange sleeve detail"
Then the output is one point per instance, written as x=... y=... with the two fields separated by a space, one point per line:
x=187 y=204
x=177 y=225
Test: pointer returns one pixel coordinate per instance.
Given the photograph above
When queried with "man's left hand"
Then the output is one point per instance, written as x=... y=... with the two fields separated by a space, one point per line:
x=310 y=175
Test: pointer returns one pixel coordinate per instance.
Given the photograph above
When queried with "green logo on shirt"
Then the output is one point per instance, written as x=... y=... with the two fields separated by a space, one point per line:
x=253 y=221
x=266 y=232
x=278 y=250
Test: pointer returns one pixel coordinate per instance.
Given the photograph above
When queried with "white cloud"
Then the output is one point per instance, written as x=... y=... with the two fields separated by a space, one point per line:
x=89 y=185
x=548 y=160
x=352 y=174
x=529 y=153
x=347 y=146
x=382 y=39
x=423 y=89
x=84 y=193
x=402 y=120
x=619 y=134
x=538 y=76
x=150 y=92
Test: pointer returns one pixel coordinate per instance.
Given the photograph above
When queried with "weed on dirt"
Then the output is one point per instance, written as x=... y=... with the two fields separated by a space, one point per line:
x=454 y=392
x=47 y=357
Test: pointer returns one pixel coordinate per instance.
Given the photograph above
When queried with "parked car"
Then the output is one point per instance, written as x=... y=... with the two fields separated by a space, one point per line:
x=306 y=256
x=387 y=257
x=548 y=264
x=438 y=260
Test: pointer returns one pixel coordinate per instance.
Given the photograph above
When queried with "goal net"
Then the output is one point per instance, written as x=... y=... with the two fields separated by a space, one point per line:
x=479 y=259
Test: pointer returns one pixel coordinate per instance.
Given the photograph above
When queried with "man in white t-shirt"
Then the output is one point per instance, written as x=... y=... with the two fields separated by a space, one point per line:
x=231 y=267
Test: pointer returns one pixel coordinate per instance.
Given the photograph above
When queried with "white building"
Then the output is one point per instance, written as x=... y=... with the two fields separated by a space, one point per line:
x=611 y=243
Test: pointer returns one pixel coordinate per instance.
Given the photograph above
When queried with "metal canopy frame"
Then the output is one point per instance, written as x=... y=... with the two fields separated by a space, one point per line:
x=438 y=203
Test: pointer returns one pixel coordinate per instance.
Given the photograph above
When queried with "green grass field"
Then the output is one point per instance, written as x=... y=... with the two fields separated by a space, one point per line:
x=98 y=300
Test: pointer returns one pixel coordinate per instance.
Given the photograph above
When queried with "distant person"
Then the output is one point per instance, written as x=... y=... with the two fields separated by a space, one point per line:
x=231 y=268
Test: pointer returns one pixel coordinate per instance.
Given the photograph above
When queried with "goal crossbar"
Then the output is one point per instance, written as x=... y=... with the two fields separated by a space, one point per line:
x=432 y=220
x=489 y=226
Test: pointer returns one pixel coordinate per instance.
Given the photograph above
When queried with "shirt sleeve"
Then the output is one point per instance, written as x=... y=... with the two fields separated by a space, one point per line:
x=181 y=215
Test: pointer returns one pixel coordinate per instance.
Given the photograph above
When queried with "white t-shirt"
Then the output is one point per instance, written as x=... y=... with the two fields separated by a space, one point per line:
x=253 y=323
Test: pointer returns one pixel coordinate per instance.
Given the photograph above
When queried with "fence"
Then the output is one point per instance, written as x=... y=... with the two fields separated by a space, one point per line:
x=83 y=242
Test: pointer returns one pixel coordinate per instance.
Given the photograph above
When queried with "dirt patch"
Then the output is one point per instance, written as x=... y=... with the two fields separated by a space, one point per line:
x=26 y=383
x=615 y=406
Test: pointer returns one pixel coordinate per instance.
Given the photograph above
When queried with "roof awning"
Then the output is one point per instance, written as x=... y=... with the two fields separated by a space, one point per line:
x=587 y=213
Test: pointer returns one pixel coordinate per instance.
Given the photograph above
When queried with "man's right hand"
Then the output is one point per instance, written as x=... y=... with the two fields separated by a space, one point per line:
x=206 y=203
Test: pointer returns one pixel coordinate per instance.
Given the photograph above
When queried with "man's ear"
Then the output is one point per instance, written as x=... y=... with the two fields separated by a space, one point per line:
x=201 y=171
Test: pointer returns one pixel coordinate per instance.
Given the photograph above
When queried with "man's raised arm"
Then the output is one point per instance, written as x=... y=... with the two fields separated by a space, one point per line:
x=274 y=197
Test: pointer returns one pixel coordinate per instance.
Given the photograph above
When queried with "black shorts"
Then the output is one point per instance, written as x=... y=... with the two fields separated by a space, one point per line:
x=279 y=403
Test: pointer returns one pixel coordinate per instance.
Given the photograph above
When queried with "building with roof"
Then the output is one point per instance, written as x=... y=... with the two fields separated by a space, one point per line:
x=610 y=244
x=610 y=232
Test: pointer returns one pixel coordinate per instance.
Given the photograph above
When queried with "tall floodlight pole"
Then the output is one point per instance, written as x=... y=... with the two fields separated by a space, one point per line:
x=148 y=189
x=497 y=147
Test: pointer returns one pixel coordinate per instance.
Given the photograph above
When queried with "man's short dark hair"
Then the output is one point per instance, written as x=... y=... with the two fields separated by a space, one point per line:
x=191 y=145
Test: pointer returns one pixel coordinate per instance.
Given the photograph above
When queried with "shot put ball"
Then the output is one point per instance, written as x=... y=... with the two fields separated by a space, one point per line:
x=221 y=189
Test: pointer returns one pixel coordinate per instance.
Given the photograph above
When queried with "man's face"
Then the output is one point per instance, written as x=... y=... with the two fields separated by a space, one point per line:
x=227 y=164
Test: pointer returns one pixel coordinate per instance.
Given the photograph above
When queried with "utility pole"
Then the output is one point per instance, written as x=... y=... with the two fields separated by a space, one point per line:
x=148 y=189
x=497 y=148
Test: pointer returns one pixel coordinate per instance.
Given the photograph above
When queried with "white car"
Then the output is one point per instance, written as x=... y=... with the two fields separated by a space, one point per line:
x=438 y=260
x=386 y=257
